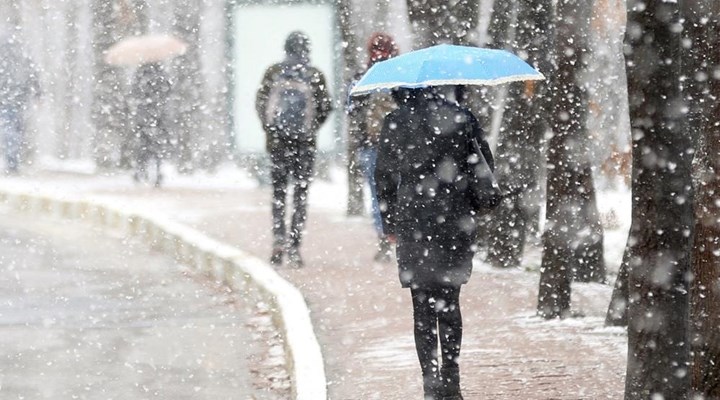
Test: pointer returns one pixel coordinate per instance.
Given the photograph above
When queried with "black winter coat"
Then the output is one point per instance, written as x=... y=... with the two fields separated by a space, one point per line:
x=150 y=91
x=422 y=187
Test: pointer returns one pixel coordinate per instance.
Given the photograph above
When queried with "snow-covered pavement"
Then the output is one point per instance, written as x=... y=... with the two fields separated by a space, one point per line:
x=363 y=318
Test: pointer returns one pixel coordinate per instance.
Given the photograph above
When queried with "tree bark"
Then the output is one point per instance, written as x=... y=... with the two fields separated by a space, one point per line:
x=518 y=156
x=701 y=60
x=503 y=16
x=573 y=237
x=658 y=259
x=442 y=21
x=108 y=102
x=617 y=310
x=355 y=205
x=188 y=88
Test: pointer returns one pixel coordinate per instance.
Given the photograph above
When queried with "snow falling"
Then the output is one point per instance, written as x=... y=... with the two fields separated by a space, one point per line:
x=359 y=199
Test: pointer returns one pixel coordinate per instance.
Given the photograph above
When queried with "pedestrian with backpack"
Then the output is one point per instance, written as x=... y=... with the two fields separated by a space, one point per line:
x=292 y=103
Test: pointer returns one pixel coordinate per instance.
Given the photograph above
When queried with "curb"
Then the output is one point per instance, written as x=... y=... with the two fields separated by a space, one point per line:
x=225 y=263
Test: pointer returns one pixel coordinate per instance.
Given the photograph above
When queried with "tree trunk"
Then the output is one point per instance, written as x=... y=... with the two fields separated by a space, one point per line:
x=108 y=103
x=701 y=60
x=441 y=21
x=188 y=88
x=573 y=237
x=658 y=252
x=67 y=132
x=705 y=288
x=617 y=310
x=503 y=17
x=355 y=204
x=518 y=156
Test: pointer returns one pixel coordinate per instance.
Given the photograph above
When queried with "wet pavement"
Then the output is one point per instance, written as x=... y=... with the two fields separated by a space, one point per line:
x=363 y=318
x=84 y=315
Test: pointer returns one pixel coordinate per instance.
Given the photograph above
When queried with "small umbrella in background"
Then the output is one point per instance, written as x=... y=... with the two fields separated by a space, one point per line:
x=144 y=49
x=446 y=65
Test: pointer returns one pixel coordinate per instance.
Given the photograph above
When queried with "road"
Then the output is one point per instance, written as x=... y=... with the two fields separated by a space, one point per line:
x=88 y=315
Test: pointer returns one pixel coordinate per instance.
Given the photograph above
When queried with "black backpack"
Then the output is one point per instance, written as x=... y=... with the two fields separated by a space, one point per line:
x=290 y=107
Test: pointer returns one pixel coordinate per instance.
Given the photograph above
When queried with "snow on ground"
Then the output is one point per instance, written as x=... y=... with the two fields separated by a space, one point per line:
x=330 y=195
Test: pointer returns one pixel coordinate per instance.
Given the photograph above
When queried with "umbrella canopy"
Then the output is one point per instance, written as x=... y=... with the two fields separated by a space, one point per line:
x=139 y=50
x=446 y=65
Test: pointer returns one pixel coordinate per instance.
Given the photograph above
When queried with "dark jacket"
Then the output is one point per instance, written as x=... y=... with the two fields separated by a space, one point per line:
x=321 y=99
x=18 y=77
x=422 y=182
x=368 y=112
x=150 y=91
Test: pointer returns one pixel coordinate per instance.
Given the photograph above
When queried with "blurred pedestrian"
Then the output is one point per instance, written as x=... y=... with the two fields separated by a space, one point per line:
x=292 y=103
x=150 y=91
x=18 y=84
x=369 y=112
x=424 y=178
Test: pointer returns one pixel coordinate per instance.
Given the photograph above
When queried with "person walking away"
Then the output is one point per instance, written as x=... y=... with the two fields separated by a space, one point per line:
x=150 y=90
x=292 y=103
x=423 y=179
x=369 y=112
x=18 y=84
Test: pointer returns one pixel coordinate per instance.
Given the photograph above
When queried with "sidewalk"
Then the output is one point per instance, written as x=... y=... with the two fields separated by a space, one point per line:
x=363 y=318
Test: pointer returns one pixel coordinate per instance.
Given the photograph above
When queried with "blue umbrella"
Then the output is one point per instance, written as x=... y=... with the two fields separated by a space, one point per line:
x=446 y=65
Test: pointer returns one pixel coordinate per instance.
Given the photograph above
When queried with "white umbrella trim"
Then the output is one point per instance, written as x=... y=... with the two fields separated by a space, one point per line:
x=364 y=89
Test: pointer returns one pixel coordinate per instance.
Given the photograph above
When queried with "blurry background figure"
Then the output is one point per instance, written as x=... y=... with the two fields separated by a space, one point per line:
x=149 y=138
x=292 y=103
x=18 y=84
x=151 y=88
x=368 y=113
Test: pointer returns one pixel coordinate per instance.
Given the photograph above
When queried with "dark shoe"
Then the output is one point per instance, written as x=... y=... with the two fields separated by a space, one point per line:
x=432 y=387
x=294 y=258
x=276 y=256
x=451 y=384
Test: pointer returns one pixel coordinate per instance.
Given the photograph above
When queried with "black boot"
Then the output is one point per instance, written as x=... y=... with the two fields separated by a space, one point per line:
x=451 y=384
x=276 y=256
x=294 y=258
x=432 y=387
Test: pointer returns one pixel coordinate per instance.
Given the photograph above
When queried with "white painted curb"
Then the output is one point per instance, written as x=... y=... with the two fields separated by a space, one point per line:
x=225 y=263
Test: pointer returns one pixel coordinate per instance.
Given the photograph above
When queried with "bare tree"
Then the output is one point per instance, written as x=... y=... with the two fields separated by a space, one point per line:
x=350 y=52
x=441 y=21
x=503 y=19
x=108 y=102
x=701 y=59
x=657 y=259
x=188 y=88
x=573 y=235
x=519 y=160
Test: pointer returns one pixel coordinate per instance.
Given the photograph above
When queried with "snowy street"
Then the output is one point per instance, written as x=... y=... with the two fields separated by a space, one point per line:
x=362 y=316
x=360 y=199
x=90 y=316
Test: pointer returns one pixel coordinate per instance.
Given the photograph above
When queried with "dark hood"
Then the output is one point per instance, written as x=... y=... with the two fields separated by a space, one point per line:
x=297 y=48
x=417 y=98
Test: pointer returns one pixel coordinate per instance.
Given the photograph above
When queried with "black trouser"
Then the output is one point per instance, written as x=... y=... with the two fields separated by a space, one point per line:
x=290 y=162
x=150 y=146
x=437 y=318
